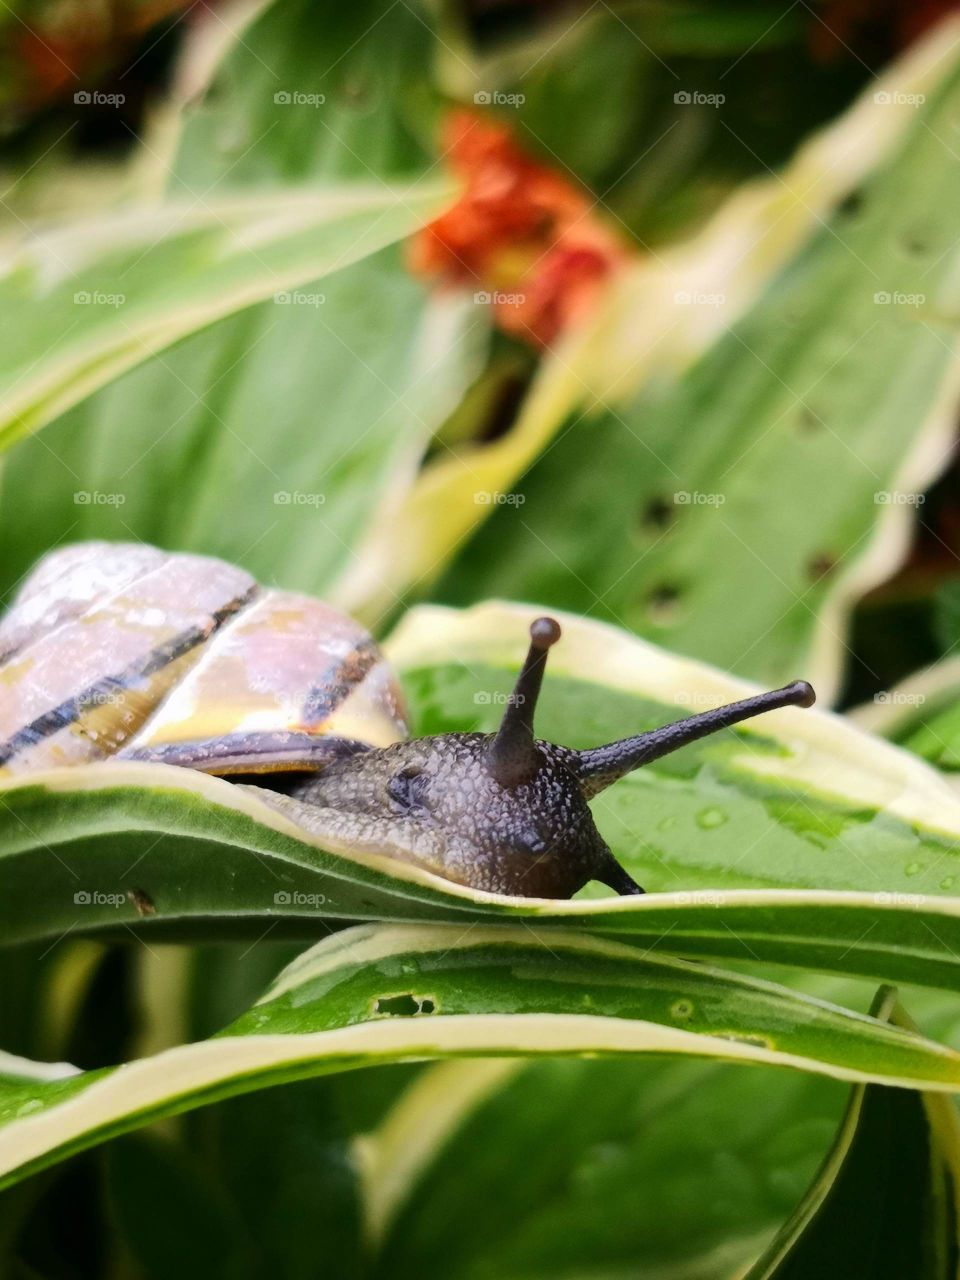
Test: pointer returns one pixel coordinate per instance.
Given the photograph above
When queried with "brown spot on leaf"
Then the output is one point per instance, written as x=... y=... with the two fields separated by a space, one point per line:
x=142 y=901
x=820 y=565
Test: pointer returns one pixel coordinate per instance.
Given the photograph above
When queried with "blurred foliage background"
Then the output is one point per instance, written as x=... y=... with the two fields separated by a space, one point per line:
x=676 y=348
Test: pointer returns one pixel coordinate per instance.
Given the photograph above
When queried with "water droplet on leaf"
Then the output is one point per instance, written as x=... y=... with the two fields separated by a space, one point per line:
x=710 y=818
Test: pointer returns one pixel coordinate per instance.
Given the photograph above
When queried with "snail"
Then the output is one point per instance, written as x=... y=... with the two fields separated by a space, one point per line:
x=122 y=650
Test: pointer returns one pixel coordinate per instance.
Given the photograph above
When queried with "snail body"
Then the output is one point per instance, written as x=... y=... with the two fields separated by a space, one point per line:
x=126 y=651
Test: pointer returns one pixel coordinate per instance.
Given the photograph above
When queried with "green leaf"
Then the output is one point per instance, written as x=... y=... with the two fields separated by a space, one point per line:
x=84 y=302
x=380 y=994
x=937 y=738
x=307 y=90
x=589 y=1167
x=738 y=510
x=921 y=714
x=235 y=410
x=311 y=414
x=886 y=1202
x=143 y=1172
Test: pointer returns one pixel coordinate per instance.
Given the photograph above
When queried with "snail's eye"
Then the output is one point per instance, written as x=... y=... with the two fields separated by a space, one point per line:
x=407 y=789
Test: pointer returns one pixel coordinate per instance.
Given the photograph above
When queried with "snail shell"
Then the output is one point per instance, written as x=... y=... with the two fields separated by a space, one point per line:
x=122 y=648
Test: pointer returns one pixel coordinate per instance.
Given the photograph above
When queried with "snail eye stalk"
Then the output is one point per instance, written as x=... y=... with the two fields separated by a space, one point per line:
x=599 y=766
x=512 y=757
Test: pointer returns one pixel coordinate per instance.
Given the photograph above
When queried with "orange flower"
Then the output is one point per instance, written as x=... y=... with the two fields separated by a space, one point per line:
x=520 y=233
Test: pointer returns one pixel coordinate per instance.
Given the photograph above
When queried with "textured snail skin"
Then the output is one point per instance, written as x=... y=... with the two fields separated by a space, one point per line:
x=434 y=802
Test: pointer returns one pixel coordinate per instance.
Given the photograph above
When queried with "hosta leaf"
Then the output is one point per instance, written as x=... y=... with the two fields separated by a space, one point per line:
x=886 y=1202
x=590 y=1167
x=380 y=994
x=922 y=714
x=737 y=511
x=644 y=329
x=208 y=1241
x=84 y=302
x=307 y=414
x=800 y=840
x=938 y=739
x=306 y=417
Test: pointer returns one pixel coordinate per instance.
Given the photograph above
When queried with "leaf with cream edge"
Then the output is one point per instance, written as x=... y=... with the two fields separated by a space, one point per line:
x=136 y=280
x=797 y=839
x=618 y=1159
x=837 y=393
x=921 y=714
x=379 y=994
x=647 y=379
x=886 y=1202
x=353 y=375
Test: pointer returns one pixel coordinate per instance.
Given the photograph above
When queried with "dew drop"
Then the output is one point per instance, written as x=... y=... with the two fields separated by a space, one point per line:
x=710 y=818
x=232 y=140
x=598 y=1162
x=667 y=824
x=948 y=882
x=913 y=868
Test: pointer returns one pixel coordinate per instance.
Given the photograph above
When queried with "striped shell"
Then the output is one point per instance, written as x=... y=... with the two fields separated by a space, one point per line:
x=113 y=647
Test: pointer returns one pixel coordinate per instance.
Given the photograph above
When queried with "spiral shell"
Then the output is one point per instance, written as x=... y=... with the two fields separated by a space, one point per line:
x=122 y=648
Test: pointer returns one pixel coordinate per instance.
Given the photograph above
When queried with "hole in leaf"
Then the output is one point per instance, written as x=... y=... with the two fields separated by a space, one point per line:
x=820 y=565
x=404 y=1006
x=663 y=604
x=851 y=204
x=656 y=515
x=917 y=241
